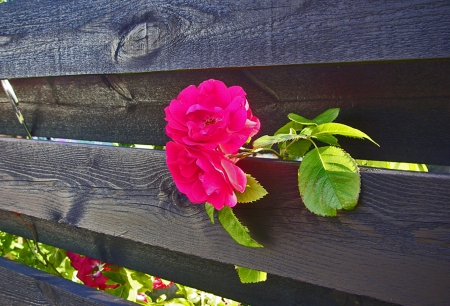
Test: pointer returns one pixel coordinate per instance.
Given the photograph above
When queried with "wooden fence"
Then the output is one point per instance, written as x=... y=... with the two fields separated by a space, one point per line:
x=104 y=70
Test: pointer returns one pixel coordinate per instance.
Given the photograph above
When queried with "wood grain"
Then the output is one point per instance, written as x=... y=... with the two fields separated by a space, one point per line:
x=394 y=247
x=48 y=38
x=183 y=268
x=403 y=106
x=22 y=285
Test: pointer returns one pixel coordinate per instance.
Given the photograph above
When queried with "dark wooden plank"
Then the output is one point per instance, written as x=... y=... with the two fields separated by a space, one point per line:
x=41 y=38
x=211 y=276
x=394 y=247
x=403 y=106
x=22 y=285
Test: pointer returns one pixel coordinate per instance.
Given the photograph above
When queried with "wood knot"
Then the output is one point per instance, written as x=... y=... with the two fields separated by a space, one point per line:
x=147 y=35
x=170 y=192
x=175 y=202
x=180 y=199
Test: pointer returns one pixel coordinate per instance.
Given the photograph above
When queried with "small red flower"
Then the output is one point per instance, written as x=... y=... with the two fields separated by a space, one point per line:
x=141 y=297
x=90 y=271
x=159 y=284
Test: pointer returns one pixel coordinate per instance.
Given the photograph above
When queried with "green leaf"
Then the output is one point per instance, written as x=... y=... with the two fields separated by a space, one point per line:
x=59 y=256
x=301 y=119
x=288 y=126
x=328 y=180
x=235 y=228
x=131 y=279
x=306 y=132
x=170 y=292
x=117 y=291
x=327 y=116
x=393 y=165
x=247 y=275
x=287 y=129
x=114 y=276
x=253 y=191
x=338 y=129
x=329 y=139
x=266 y=140
x=210 y=211
x=297 y=149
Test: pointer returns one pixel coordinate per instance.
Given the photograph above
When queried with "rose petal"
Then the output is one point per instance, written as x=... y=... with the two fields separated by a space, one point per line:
x=235 y=175
x=214 y=93
x=205 y=175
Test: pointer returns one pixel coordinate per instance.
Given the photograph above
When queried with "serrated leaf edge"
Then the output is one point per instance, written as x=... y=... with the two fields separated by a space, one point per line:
x=294 y=137
x=328 y=208
x=257 y=182
x=239 y=269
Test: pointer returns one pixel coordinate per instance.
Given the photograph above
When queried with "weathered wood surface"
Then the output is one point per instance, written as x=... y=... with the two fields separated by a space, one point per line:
x=47 y=38
x=22 y=285
x=394 y=246
x=211 y=276
x=403 y=106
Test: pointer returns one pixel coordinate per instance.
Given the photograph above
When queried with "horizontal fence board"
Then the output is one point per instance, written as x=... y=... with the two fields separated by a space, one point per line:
x=43 y=38
x=211 y=276
x=400 y=105
x=394 y=246
x=22 y=285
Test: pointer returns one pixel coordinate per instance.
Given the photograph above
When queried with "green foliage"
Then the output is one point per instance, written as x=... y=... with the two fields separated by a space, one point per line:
x=328 y=181
x=328 y=177
x=131 y=285
x=39 y=256
x=253 y=191
x=325 y=117
x=210 y=211
x=330 y=129
x=268 y=141
x=393 y=165
x=235 y=228
x=247 y=275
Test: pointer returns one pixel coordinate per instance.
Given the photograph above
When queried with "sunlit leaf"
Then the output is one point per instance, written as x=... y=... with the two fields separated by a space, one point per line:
x=339 y=129
x=210 y=211
x=301 y=119
x=298 y=149
x=235 y=228
x=59 y=256
x=329 y=139
x=130 y=278
x=247 y=275
x=114 y=276
x=327 y=116
x=266 y=140
x=288 y=126
x=286 y=129
x=170 y=293
x=253 y=191
x=393 y=165
x=328 y=181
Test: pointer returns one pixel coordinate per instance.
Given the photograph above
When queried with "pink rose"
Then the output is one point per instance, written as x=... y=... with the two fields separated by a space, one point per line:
x=211 y=116
x=205 y=175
